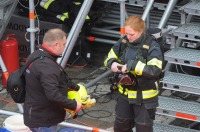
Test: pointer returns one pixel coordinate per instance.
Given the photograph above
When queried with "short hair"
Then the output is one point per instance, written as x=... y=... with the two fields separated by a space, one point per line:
x=53 y=35
x=136 y=23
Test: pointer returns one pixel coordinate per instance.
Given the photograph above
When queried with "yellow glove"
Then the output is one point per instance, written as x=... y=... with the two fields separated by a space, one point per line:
x=82 y=96
x=81 y=92
x=87 y=102
x=78 y=94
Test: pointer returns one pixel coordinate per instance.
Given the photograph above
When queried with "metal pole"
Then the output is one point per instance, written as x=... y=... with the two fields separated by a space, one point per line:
x=66 y=124
x=94 y=39
x=167 y=13
x=147 y=9
x=106 y=34
x=3 y=67
x=74 y=32
x=10 y=113
x=20 y=107
x=32 y=28
x=6 y=74
x=154 y=23
x=122 y=17
x=106 y=31
x=91 y=83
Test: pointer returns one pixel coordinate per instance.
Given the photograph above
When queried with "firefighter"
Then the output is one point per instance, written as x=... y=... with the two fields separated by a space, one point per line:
x=138 y=76
x=64 y=10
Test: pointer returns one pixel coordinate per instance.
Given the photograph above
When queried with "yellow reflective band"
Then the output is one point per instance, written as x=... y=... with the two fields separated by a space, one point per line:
x=66 y=14
x=36 y=16
x=145 y=94
x=87 y=17
x=133 y=94
x=156 y=83
x=46 y=5
x=62 y=18
x=121 y=90
x=139 y=68
x=111 y=55
x=149 y=93
x=77 y=3
x=155 y=62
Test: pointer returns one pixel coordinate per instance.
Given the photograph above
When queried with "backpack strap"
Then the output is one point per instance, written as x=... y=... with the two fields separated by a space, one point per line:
x=122 y=45
x=24 y=67
x=146 y=46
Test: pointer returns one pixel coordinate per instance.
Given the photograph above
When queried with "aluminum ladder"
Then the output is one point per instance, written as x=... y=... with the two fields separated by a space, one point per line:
x=186 y=34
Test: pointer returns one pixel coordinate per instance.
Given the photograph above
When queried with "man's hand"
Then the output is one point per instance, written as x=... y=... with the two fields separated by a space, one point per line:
x=79 y=106
x=115 y=67
x=73 y=113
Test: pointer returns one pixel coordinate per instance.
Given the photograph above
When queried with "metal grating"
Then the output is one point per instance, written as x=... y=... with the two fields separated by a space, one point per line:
x=192 y=8
x=169 y=128
x=179 y=108
x=189 y=31
x=183 y=56
x=181 y=82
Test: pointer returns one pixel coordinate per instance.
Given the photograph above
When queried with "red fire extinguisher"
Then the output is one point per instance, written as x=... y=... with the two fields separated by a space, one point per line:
x=10 y=55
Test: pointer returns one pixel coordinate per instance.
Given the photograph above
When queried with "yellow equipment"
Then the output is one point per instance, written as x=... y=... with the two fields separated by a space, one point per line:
x=81 y=96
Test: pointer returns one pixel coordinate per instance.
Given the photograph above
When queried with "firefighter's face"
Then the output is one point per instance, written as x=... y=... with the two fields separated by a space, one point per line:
x=131 y=34
x=60 y=46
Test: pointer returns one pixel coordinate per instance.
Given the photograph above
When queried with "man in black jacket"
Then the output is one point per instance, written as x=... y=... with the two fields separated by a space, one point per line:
x=137 y=59
x=47 y=86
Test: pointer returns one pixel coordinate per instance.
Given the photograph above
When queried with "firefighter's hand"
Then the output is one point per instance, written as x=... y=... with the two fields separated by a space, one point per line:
x=87 y=102
x=124 y=69
x=114 y=67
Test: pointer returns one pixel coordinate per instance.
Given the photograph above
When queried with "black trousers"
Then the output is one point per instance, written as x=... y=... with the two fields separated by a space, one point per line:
x=129 y=116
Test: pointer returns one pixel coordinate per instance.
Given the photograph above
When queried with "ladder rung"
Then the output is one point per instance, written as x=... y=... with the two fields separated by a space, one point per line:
x=181 y=82
x=183 y=56
x=193 y=7
x=158 y=127
x=189 y=31
x=179 y=109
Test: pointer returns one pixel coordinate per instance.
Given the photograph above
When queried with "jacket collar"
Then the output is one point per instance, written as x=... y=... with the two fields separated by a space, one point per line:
x=47 y=50
x=138 y=41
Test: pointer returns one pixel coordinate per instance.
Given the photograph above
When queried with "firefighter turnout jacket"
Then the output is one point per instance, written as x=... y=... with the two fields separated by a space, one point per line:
x=144 y=65
x=64 y=10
